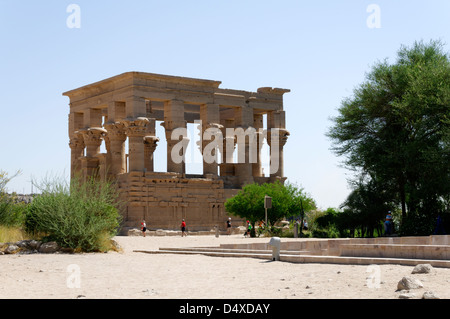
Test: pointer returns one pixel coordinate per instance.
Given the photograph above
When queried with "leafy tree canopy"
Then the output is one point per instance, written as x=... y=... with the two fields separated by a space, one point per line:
x=287 y=200
x=395 y=128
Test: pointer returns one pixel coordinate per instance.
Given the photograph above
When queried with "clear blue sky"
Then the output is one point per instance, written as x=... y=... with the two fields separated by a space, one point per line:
x=319 y=49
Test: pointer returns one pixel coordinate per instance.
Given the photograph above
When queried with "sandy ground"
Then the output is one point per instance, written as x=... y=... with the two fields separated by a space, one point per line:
x=134 y=275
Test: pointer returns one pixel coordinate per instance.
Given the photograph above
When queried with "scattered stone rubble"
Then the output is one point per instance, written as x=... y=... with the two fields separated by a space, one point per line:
x=408 y=283
x=34 y=246
x=30 y=247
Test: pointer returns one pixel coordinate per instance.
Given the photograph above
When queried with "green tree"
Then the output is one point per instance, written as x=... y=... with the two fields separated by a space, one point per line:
x=367 y=206
x=286 y=201
x=395 y=128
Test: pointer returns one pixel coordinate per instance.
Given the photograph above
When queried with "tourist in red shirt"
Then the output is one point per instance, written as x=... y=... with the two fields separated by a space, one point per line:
x=183 y=228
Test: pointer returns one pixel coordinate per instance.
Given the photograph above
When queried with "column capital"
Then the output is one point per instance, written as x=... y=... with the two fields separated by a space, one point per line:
x=151 y=142
x=282 y=133
x=136 y=127
x=76 y=141
x=214 y=125
x=116 y=131
x=93 y=135
x=171 y=125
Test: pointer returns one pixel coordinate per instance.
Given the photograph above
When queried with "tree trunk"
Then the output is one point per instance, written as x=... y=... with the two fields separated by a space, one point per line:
x=402 y=197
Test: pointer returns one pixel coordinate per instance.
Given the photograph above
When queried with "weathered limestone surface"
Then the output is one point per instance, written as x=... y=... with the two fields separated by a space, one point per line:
x=124 y=110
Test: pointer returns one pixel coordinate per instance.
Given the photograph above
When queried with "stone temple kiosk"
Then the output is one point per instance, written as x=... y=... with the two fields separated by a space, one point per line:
x=121 y=114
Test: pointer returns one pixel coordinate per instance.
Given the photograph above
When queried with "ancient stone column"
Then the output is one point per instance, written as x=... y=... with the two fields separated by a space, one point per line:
x=150 y=143
x=210 y=119
x=229 y=146
x=258 y=125
x=247 y=145
x=176 y=150
x=176 y=135
x=117 y=137
x=102 y=166
x=211 y=145
x=77 y=152
x=92 y=139
x=277 y=138
x=135 y=130
x=257 y=167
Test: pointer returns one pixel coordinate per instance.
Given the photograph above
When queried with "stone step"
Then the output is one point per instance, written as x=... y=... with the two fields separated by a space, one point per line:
x=241 y=251
x=255 y=254
x=295 y=258
x=435 y=252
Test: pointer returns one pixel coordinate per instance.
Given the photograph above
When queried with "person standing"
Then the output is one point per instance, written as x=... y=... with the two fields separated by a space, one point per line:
x=143 y=227
x=229 y=226
x=388 y=224
x=249 y=229
x=183 y=228
x=439 y=230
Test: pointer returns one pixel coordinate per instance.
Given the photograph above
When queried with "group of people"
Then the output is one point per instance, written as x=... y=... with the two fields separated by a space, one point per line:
x=182 y=226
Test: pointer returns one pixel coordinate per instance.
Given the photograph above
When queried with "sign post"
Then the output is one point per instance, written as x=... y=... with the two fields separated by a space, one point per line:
x=267 y=204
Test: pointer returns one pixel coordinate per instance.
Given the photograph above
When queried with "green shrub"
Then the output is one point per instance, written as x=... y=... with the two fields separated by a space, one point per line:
x=329 y=232
x=417 y=225
x=76 y=216
x=11 y=214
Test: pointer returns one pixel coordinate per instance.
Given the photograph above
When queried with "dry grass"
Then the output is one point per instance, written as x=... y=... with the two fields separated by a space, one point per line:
x=12 y=234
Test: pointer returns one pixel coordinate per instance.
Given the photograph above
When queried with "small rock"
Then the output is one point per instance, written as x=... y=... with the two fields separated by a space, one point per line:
x=49 y=248
x=409 y=283
x=34 y=244
x=134 y=232
x=407 y=295
x=81 y=297
x=422 y=269
x=150 y=292
x=308 y=287
x=23 y=243
x=430 y=295
x=115 y=246
x=12 y=249
x=160 y=232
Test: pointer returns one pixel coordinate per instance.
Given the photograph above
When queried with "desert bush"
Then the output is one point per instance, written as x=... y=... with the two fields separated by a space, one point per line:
x=77 y=215
x=11 y=214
